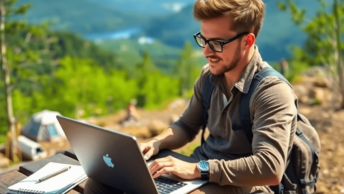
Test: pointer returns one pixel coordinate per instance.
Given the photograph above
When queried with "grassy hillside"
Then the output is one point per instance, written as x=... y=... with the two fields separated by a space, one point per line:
x=129 y=53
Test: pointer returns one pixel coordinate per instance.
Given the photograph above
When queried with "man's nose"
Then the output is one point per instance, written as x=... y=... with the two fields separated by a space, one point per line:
x=207 y=51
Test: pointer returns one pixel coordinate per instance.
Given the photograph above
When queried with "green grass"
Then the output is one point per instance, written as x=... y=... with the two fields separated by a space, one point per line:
x=2 y=139
x=189 y=149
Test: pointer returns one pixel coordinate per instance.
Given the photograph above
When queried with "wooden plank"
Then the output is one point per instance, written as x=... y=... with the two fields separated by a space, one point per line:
x=9 y=178
x=73 y=192
x=32 y=167
x=81 y=187
x=70 y=153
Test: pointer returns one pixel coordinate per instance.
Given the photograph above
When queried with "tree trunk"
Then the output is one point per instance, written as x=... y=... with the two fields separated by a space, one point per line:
x=340 y=68
x=7 y=88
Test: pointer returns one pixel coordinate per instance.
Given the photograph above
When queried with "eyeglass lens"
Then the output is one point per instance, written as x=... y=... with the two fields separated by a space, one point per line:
x=216 y=46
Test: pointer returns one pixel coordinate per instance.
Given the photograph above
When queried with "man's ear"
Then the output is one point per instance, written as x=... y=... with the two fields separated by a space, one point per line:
x=250 y=40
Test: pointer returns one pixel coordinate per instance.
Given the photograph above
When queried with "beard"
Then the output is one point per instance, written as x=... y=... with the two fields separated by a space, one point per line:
x=232 y=65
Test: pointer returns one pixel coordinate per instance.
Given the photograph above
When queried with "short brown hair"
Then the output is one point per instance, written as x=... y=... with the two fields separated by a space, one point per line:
x=245 y=14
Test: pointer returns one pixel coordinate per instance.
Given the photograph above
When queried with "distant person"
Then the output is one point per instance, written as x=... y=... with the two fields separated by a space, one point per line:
x=232 y=164
x=132 y=114
x=284 y=67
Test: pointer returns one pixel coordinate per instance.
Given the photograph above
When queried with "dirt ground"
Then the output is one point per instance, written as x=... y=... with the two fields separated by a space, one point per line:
x=330 y=126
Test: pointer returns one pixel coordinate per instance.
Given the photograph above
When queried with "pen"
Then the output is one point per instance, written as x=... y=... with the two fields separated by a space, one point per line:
x=54 y=174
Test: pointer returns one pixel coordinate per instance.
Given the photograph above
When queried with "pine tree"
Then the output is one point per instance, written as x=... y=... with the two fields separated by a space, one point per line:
x=324 y=45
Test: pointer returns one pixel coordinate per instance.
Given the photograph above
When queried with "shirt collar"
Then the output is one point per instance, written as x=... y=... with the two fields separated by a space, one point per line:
x=244 y=82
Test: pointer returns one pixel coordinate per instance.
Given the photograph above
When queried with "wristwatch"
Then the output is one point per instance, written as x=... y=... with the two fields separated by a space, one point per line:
x=203 y=167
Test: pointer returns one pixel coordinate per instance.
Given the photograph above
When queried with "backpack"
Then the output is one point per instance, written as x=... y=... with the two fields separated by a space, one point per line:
x=302 y=167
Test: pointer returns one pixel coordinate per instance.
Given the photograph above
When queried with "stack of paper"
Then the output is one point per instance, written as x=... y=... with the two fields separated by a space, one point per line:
x=57 y=184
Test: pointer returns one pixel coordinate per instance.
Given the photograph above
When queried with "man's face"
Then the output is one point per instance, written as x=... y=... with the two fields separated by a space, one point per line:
x=219 y=29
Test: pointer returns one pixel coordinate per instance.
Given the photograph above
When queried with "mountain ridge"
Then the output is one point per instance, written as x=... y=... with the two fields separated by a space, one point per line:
x=87 y=17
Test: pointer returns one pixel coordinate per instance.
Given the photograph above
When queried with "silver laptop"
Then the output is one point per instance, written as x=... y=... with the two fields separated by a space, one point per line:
x=114 y=159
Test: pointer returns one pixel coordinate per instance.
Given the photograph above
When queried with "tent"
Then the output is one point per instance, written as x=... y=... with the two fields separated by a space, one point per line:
x=44 y=126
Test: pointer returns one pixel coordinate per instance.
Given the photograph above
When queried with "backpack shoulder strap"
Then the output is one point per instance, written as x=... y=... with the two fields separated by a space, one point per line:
x=207 y=92
x=245 y=115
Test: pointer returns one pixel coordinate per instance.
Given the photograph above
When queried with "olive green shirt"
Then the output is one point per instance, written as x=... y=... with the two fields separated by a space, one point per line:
x=232 y=159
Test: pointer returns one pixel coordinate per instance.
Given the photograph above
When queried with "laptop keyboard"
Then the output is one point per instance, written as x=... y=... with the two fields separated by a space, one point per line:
x=166 y=185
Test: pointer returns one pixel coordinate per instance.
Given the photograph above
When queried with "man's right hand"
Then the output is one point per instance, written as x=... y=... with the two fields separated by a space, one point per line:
x=150 y=148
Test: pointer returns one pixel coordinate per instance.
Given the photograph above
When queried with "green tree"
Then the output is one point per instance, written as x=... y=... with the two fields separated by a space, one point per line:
x=17 y=61
x=325 y=42
x=143 y=72
x=186 y=68
x=153 y=87
x=79 y=88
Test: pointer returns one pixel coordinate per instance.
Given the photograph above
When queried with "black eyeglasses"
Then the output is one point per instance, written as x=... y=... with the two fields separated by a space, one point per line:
x=216 y=46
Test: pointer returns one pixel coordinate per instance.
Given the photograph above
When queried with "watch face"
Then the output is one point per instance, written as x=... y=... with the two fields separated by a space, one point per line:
x=203 y=165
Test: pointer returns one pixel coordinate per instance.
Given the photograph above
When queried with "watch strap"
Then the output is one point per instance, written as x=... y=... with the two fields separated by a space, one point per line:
x=204 y=176
x=204 y=173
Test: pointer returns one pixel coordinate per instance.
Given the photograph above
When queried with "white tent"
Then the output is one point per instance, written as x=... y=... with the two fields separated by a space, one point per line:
x=44 y=126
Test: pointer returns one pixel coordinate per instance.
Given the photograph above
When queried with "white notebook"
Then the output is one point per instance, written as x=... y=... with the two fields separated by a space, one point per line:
x=58 y=184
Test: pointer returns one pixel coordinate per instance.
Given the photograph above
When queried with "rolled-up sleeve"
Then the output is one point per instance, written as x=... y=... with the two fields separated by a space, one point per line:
x=274 y=117
x=191 y=119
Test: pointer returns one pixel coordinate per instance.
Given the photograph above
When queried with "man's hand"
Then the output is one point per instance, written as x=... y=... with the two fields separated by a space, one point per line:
x=174 y=166
x=150 y=148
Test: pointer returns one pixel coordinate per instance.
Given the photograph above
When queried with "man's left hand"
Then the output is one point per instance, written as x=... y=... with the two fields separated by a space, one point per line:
x=174 y=166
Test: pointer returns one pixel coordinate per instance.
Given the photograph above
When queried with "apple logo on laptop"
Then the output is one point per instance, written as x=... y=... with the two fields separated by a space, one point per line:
x=107 y=160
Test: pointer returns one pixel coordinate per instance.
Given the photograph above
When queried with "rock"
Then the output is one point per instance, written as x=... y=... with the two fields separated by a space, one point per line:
x=304 y=99
x=305 y=110
x=4 y=162
x=155 y=127
x=315 y=71
x=321 y=188
x=322 y=83
x=325 y=115
x=302 y=93
x=139 y=132
x=179 y=103
x=326 y=171
x=328 y=129
x=318 y=95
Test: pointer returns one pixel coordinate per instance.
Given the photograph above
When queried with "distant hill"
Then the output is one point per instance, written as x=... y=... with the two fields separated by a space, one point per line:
x=81 y=16
x=277 y=34
x=150 y=7
x=92 y=18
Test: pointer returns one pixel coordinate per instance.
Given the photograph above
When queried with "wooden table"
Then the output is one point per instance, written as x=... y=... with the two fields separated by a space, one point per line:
x=68 y=157
x=11 y=177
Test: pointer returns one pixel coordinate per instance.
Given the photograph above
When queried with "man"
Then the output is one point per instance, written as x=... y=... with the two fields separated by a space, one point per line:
x=132 y=114
x=229 y=29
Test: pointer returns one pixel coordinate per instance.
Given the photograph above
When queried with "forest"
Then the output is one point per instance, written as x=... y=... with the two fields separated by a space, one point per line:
x=57 y=69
